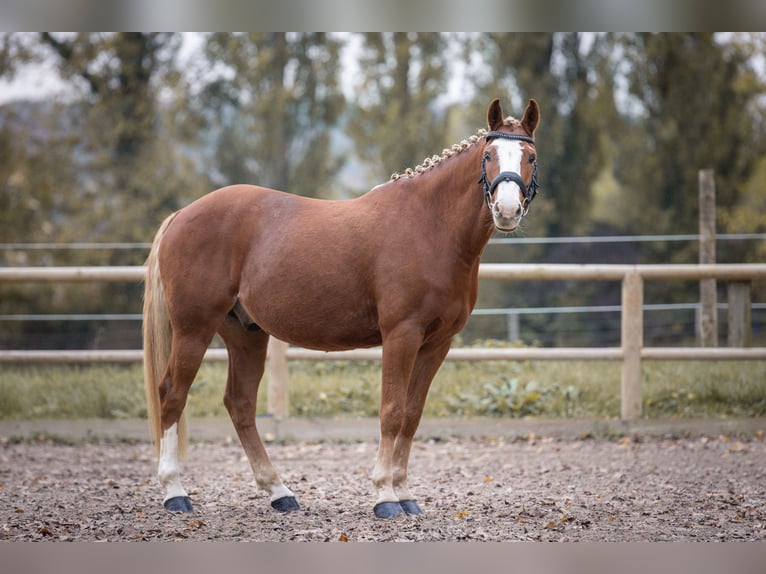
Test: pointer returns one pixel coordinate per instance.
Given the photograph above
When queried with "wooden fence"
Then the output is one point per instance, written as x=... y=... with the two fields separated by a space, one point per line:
x=630 y=352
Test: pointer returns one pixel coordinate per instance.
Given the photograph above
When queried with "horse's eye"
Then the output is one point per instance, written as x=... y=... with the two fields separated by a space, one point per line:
x=532 y=158
x=487 y=156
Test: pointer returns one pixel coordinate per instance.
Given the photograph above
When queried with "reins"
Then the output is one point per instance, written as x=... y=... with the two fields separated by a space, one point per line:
x=489 y=187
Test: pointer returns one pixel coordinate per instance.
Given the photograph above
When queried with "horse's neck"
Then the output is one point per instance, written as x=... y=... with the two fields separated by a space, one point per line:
x=456 y=205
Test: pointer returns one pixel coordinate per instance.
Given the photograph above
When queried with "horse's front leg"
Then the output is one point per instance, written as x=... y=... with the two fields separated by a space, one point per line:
x=399 y=351
x=427 y=364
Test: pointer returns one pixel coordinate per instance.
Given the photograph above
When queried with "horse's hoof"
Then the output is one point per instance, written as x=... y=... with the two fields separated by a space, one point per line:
x=387 y=509
x=179 y=504
x=285 y=504
x=410 y=507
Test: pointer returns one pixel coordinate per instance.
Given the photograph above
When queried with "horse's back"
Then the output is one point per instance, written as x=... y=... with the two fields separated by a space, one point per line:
x=258 y=222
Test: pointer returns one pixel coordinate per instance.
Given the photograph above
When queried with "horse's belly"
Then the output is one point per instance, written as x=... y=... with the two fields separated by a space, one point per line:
x=329 y=323
x=330 y=341
x=325 y=336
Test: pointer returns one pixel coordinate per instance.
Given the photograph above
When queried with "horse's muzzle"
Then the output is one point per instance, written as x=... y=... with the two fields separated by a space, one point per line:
x=507 y=220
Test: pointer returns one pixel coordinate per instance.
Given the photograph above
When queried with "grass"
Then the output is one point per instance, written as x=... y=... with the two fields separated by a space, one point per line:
x=551 y=389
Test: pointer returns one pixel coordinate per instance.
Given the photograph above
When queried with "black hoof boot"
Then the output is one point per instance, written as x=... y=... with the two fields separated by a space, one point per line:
x=387 y=509
x=179 y=504
x=285 y=504
x=411 y=507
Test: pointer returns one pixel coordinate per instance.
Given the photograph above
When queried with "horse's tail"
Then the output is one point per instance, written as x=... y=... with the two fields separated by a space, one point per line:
x=158 y=334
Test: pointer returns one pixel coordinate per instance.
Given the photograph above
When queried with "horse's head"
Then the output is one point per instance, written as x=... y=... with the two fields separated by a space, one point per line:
x=509 y=165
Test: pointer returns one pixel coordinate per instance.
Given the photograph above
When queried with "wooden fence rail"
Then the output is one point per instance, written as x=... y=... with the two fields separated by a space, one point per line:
x=631 y=351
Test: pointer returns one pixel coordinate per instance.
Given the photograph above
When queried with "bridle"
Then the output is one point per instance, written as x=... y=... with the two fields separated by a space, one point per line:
x=489 y=188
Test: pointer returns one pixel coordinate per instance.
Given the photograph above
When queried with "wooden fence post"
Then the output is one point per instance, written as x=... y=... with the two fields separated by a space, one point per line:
x=278 y=376
x=513 y=327
x=632 y=341
x=739 y=319
x=708 y=316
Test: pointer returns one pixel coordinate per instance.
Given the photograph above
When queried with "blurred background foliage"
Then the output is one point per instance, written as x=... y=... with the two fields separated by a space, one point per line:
x=141 y=124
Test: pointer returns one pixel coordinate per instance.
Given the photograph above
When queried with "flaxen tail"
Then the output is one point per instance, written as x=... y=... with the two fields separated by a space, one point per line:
x=158 y=335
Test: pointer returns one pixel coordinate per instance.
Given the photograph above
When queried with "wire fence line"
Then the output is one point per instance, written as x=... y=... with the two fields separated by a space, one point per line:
x=622 y=239
x=84 y=246
x=477 y=312
x=507 y=321
x=71 y=246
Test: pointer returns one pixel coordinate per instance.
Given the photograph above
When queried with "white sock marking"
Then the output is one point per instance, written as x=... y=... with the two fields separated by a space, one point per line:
x=168 y=471
x=279 y=491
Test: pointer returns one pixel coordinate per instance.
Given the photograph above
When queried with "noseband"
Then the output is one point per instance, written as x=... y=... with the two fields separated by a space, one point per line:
x=489 y=187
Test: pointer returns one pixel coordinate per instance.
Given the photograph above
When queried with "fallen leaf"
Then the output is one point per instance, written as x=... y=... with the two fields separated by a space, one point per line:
x=343 y=538
x=461 y=514
x=488 y=479
x=737 y=447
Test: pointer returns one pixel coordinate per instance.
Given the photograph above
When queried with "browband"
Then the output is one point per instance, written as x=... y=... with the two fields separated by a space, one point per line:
x=505 y=136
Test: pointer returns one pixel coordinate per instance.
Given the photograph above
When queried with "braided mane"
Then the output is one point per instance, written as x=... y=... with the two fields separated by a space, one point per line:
x=431 y=162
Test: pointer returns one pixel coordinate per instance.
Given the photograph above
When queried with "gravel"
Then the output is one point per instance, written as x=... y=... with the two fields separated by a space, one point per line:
x=535 y=488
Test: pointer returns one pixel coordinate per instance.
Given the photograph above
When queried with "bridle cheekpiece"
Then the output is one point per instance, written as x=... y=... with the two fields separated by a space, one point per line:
x=489 y=187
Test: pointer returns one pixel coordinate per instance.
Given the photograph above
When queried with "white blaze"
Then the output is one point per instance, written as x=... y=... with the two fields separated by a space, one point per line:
x=509 y=155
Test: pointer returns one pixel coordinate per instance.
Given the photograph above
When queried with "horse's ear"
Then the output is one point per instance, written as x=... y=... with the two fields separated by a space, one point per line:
x=531 y=117
x=494 y=115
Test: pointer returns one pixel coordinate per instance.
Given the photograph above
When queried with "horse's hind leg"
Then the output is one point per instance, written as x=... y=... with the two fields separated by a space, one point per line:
x=247 y=357
x=185 y=358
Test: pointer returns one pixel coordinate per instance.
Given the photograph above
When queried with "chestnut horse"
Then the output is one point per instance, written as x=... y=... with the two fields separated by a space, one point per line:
x=397 y=267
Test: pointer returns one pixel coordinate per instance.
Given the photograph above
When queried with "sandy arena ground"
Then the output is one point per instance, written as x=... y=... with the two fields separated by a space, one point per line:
x=507 y=487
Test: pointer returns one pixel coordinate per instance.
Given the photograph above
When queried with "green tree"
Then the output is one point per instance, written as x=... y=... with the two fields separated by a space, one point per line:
x=272 y=109
x=700 y=102
x=137 y=168
x=34 y=170
x=121 y=144
x=395 y=122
